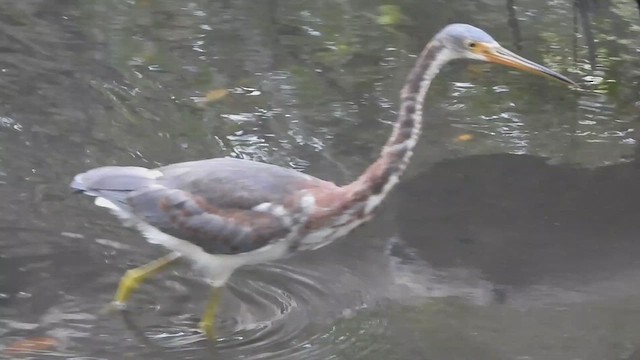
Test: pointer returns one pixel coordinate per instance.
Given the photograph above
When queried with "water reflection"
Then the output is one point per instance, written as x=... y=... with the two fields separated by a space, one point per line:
x=481 y=204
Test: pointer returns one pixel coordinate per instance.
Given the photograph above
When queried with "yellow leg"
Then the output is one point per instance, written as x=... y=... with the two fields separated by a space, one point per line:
x=208 y=322
x=133 y=278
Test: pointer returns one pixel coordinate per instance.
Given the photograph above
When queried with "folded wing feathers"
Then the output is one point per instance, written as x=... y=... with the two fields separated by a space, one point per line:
x=190 y=217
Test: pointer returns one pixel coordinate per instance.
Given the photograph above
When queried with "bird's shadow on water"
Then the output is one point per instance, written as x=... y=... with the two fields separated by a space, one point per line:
x=517 y=221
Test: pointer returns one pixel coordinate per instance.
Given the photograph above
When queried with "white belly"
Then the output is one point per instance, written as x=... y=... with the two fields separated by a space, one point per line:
x=216 y=268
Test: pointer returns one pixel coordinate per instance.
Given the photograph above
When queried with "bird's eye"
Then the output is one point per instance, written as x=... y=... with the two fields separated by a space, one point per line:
x=471 y=44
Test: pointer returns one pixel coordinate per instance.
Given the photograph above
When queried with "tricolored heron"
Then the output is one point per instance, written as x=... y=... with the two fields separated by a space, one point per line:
x=225 y=213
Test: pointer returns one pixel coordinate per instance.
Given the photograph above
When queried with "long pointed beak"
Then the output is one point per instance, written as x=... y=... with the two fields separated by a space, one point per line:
x=500 y=55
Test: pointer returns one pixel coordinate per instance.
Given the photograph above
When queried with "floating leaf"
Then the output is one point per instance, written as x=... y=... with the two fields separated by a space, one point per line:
x=32 y=345
x=211 y=96
x=215 y=95
x=464 y=137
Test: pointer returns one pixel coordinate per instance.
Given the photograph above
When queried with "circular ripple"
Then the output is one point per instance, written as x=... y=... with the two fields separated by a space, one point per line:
x=280 y=311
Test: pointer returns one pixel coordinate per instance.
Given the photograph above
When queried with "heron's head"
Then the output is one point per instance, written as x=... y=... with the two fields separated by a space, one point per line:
x=468 y=42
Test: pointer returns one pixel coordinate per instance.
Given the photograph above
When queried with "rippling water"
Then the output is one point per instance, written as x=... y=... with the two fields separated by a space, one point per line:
x=513 y=235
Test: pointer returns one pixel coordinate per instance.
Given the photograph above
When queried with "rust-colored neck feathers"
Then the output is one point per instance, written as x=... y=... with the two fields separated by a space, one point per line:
x=383 y=174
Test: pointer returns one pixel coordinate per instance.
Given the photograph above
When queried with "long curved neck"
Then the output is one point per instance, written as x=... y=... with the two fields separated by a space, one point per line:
x=381 y=176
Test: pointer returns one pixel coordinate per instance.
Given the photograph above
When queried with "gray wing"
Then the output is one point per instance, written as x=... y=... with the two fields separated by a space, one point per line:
x=225 y=206
x=236 y=183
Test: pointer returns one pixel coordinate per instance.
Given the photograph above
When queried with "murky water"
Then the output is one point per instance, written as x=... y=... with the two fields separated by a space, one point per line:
x=514 y=234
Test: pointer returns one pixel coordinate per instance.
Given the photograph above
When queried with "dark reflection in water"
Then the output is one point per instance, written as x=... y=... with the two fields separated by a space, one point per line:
x=520 y=222
x=513 y=237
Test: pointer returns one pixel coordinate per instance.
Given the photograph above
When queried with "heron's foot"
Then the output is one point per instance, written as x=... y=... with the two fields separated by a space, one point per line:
x=133 y=278
x=208 y=328
x=208 y=322
x=112 y=308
